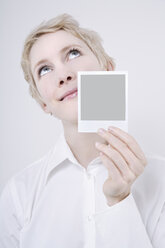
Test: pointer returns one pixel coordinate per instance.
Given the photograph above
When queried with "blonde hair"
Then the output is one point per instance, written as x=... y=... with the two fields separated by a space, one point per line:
x=67 y=23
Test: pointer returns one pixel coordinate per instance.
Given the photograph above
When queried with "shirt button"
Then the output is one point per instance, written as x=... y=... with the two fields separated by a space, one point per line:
x=89 y=217
x=89 y=176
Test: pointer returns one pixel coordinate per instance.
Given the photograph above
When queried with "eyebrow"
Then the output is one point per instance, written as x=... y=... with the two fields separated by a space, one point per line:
x=42 y=61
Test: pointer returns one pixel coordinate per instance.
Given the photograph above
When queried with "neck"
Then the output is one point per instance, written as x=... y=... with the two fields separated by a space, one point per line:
x=82 y=145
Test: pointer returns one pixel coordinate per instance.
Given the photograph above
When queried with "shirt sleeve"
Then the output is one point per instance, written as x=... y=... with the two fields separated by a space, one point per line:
x=9 y=224
x=121 y=226
x=158 y=239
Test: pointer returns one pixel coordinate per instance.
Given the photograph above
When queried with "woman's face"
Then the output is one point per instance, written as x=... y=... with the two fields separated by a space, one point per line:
x=55 y=59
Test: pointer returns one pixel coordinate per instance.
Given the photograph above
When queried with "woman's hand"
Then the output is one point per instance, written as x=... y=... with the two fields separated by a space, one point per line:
x=124 y=160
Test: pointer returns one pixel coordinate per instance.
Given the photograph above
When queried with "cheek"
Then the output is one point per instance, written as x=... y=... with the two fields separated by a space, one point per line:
x=46 y=91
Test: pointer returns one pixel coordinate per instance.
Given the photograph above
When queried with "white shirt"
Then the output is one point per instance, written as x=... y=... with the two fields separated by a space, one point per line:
x=57 y=203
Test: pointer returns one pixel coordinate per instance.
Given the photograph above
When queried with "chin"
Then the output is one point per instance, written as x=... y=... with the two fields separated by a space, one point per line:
x=70 y=116
x=73 y=118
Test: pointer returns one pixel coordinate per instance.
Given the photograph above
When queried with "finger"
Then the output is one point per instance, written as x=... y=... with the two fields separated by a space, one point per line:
x=130 y=142
x=136 y=166
x=117 y=159
x=120 y=146
x=113 y=172
x=133 y=162
x=115 y=142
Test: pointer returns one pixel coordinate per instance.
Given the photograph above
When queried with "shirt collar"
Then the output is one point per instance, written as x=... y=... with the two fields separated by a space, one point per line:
x=60 y=152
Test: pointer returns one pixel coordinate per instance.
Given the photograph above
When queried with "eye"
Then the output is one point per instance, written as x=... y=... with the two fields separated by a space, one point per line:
x=74 y=52
x=43 y=70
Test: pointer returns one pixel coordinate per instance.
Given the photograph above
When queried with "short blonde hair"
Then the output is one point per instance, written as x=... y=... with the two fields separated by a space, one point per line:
x=67 y=23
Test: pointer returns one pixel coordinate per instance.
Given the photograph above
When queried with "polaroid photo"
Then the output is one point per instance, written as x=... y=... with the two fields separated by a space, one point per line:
x=102 y=100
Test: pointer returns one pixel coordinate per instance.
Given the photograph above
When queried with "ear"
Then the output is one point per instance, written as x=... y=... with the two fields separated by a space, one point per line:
x=110 y=67
x=45 y=108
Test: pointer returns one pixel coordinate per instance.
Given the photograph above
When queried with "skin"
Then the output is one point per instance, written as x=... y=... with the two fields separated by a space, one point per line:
x=61 y=76
x=124 y=160
x=122 y=156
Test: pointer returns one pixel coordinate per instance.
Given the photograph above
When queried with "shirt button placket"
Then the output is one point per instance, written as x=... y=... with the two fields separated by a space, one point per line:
x=90 y=191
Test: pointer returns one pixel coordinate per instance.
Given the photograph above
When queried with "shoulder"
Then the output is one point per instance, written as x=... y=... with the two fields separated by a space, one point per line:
x=153 y=175
x=22 y=188
x=156 y=164
x=32 y=172
x=149 y=189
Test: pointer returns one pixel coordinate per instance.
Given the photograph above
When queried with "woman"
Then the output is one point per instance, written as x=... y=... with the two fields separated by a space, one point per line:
x=80 y=194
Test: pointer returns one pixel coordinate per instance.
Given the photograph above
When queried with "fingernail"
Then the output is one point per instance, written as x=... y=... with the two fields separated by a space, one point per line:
x=97 y=144
x=101 y=130
x=111 y=128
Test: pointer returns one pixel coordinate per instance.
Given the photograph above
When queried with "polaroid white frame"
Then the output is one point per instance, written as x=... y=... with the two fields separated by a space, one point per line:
x=92 y=125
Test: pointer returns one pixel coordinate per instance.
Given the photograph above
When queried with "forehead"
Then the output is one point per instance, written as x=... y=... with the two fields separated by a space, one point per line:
x=50 y=44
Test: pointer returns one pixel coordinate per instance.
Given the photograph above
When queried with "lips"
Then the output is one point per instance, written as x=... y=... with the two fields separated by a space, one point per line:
x=68 y=93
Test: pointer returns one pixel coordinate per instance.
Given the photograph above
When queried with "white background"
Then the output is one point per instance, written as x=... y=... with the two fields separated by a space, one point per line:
x=133 y=32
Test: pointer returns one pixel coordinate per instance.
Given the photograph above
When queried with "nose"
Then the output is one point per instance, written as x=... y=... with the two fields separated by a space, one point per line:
x=65 y=78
